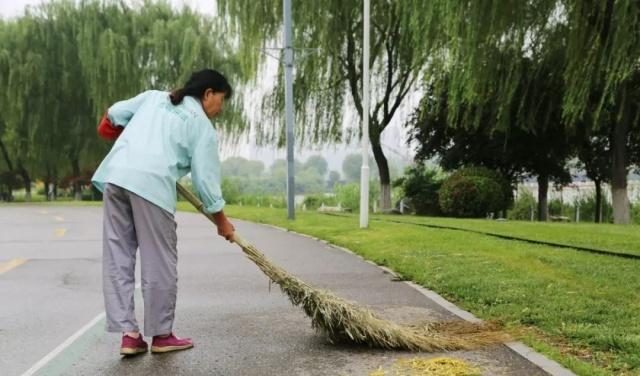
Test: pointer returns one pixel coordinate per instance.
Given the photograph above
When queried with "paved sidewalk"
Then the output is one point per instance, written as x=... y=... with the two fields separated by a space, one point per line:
x=224 y=303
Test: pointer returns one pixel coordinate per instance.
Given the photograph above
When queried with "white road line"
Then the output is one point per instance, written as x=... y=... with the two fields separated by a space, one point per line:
x=47 y=358
x=68 y=342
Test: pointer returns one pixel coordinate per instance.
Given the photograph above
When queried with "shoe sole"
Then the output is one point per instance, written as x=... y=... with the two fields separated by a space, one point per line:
x=164 y=349
x=131 y=351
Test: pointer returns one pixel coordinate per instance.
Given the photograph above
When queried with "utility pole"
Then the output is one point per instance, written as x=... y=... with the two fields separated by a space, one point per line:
x=364 y=172
x=287 y=59
x=288 y=105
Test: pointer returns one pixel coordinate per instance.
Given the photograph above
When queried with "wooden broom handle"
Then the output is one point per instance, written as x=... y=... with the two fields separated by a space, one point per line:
x=195 y=201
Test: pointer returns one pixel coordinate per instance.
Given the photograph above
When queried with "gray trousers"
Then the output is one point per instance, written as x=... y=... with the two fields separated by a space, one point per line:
x=131 y=222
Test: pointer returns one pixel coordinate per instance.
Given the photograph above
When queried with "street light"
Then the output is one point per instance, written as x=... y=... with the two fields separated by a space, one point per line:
x=364 y=172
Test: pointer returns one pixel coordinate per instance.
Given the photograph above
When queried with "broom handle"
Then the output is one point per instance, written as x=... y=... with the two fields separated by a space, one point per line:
x=195 y=201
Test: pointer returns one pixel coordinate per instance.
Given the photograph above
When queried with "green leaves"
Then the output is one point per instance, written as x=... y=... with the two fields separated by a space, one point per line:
x=63 y=64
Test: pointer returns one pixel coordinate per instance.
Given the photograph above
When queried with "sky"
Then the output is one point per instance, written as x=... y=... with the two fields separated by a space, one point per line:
x=394 y=136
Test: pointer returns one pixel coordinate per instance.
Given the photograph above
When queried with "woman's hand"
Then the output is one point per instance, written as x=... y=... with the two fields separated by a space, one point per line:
x=225 y=228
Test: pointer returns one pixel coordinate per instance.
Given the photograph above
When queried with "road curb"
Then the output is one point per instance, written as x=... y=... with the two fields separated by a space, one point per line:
x=550 y=366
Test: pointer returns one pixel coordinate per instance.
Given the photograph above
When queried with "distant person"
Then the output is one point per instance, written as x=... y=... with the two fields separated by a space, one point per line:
x=161 y=137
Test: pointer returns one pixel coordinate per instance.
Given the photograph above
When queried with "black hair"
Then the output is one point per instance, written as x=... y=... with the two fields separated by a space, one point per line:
x=199 y=82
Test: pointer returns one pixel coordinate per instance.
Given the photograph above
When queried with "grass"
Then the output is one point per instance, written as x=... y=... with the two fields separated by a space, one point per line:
x=622 y=239
x=580 y=309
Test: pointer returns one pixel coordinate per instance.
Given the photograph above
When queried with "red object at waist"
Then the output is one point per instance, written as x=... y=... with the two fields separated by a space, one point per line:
x=107 y=130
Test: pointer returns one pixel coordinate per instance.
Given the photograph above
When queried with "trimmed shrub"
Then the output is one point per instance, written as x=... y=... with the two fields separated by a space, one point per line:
x=472 y=193
x=505 y=185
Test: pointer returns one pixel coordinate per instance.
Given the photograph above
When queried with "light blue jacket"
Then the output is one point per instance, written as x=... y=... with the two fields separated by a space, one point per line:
x=160 y=144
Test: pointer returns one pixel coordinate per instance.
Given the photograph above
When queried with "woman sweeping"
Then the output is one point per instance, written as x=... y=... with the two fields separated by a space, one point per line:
x=161 y=137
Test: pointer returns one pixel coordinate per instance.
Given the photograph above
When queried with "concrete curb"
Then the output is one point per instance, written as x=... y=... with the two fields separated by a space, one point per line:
x=550 y=366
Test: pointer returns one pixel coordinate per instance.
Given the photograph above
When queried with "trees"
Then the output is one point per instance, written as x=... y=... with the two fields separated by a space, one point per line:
x=594 y=154
x=250 y=177
x=351 y=166
x=334 y=178
x=63 y=63
x=531 y=141
x=598 y=42
x=318 y=163
x=602 y=68
x=330 y=81
x=242 y=167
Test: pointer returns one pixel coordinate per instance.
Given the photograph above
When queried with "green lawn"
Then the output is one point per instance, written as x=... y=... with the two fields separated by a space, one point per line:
x=579 y=308
x=621 y=239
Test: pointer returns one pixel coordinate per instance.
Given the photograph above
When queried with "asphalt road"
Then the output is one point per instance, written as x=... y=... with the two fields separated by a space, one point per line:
x=52 y=320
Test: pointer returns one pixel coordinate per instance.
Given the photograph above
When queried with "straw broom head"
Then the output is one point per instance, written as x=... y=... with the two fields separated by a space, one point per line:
x=344 y=321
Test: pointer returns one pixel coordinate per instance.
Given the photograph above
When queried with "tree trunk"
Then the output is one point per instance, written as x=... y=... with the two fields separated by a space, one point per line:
x=47 y=182
x=598 y=210
x=26 y=180
x=543 y=188
x=383 y=171
x=5 y=155
x=619 y=170
x=77 y=190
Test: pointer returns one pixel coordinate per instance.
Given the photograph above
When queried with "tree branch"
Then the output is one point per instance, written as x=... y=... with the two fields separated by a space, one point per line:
x=404 y=90
x=352 y=72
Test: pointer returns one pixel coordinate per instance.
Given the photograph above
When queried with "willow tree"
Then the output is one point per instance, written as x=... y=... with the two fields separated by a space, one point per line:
x=599 y=65
x=64 y=62
x=533 y=143
x=21 y=74
x=604 y=67
x=329 y=80
x=4 y=67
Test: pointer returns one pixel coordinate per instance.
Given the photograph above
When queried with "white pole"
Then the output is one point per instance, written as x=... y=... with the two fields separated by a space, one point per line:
x=364 y=174
x=288 y=104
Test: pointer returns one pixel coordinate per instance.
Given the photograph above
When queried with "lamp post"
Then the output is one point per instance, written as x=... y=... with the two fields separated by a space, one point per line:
x=364 y=172
x=288 y=105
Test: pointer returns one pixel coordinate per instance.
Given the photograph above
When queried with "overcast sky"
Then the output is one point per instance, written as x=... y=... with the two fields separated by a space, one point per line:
x=393 y=137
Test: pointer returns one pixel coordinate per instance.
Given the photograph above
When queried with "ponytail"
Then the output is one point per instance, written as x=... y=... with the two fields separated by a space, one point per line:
x=199 y=82
x=176 y=96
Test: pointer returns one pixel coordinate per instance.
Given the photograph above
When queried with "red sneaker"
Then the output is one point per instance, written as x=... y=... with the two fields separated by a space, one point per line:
x=133 y=346
x=170 y=343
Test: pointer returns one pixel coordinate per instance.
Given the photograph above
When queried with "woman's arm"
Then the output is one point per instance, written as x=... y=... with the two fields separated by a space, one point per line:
x=206 y=178
x=205 y=171
x=118 y=116
x=121 y=112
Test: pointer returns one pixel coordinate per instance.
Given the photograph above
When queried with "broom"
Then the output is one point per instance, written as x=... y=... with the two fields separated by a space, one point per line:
x=344 y=321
